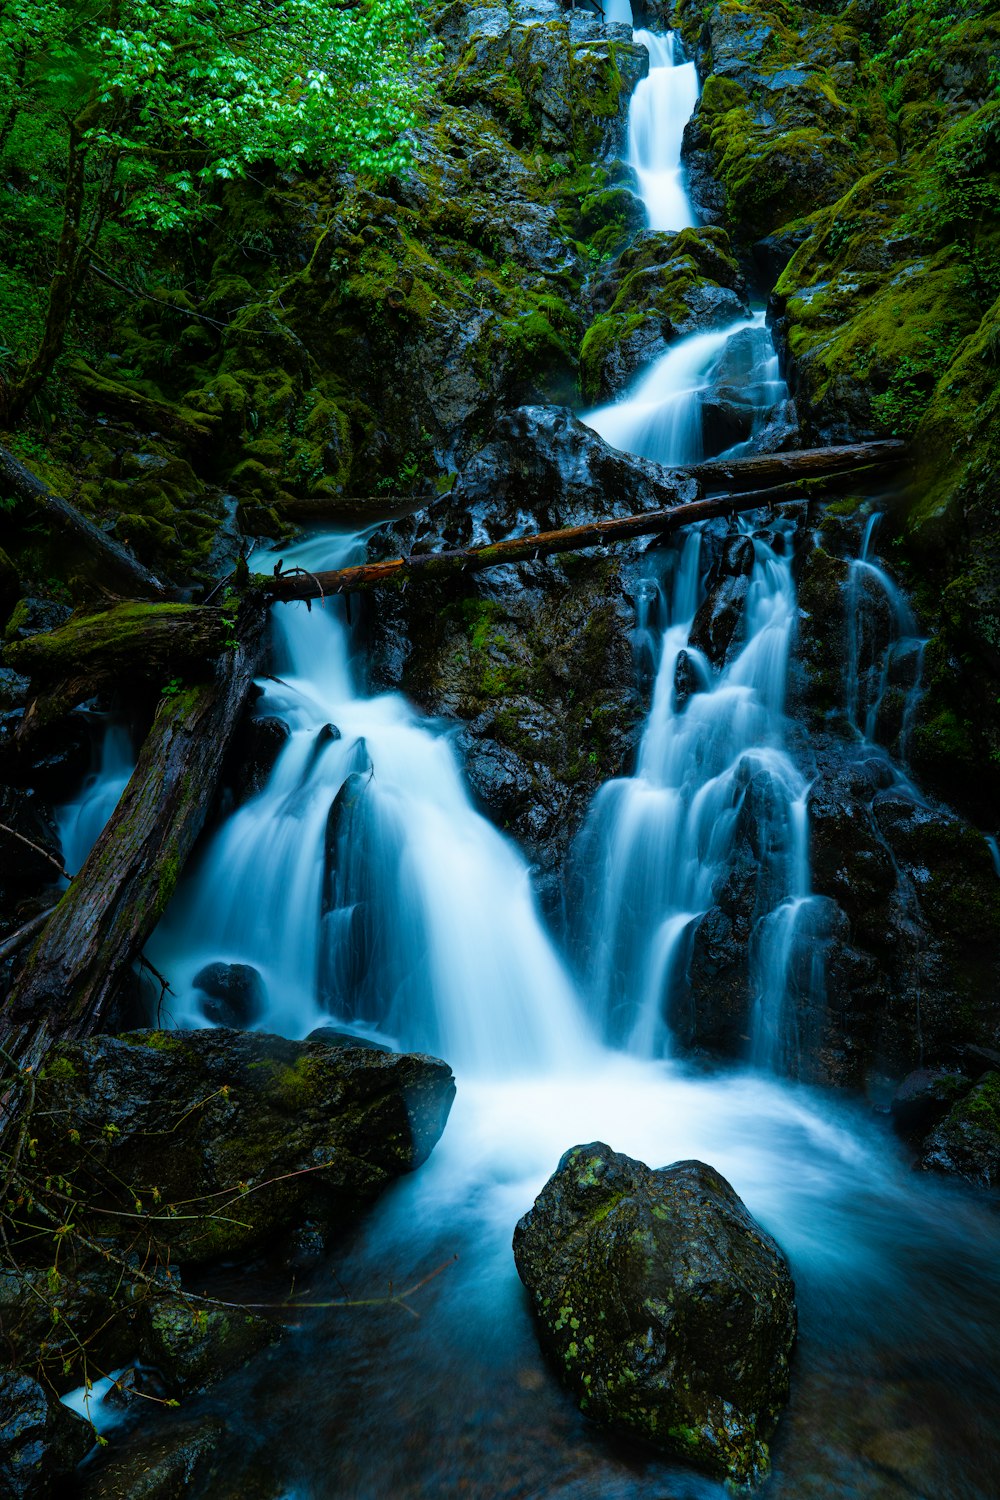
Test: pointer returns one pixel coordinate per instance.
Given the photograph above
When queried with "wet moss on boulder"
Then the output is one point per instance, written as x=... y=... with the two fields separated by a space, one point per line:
x=663 y=1305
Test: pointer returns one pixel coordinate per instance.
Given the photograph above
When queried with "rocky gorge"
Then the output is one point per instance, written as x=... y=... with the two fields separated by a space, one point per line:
x=413 y=363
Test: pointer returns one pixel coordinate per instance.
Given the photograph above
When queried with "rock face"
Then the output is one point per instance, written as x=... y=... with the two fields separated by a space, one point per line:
x=537 y=660
x=967 y=1142
x=663 y=1305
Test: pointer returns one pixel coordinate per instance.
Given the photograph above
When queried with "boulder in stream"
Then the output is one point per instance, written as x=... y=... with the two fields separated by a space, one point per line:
x=663 y=1305
x=250 y=1131
x=41 y=1441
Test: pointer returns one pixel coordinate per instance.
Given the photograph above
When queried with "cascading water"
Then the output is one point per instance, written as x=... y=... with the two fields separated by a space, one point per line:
x=81 y=820
x=667 y=413
x=361 y=883
x=661 y=106
x=885 y=651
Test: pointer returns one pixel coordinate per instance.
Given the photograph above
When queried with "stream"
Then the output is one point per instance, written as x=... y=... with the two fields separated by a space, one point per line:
x=369 y=893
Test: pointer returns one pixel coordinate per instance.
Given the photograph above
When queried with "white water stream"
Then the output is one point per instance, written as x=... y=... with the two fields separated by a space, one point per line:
x=364 y=887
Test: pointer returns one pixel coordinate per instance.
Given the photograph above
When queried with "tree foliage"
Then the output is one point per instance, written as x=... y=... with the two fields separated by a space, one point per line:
x=131 y=112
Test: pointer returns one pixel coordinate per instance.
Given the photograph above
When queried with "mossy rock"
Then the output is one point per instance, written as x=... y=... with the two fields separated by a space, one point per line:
x=967 y=1142
x=245 y=1129
x=663 y=1305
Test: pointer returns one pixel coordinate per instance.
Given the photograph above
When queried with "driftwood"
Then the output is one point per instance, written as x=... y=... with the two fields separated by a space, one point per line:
x=113 y=904
x=735 y=475
x=301 y=585
x=119 y=569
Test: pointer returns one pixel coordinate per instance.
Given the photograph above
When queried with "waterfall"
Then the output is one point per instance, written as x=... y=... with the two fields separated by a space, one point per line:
x=712 y=769
x=661 y=106
x=362 y=885
x=885 y=652
x=672 y=411
x=81 y=820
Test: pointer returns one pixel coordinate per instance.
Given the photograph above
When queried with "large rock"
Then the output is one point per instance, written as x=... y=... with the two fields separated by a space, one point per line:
x=967 y=1142
x=249 y=1131
x=664 y=1306
x=41 y=1441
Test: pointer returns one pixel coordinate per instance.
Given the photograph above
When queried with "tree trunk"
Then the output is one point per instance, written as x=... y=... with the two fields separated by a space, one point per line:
x=126 y=644
x=119 y=569
x=737 y=475
x=299 y=584
x=114 y=903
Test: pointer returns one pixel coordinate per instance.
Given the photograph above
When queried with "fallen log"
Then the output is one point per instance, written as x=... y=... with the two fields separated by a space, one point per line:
x=113 y=904
x=128 y=643
x=118 y=567
x=298 y=584
x=756 y=471
x=197 y=430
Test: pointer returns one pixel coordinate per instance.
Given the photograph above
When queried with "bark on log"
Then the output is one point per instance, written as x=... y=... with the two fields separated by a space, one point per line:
x=115 y=901
x=119 y=568
x=736 y=475
x=124 y=644
x=298 y=584
x=757 y=470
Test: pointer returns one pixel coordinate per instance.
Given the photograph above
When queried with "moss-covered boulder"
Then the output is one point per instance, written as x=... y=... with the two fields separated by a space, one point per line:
x=247 y=1131
x=663 y=1305
x=967 y=1142
x=663 y=287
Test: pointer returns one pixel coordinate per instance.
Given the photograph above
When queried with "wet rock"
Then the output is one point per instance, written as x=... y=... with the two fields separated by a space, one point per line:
x=925 y=1096
x=33 y=615
x=193 y=1346
x=541 y=469
x=663 y=1305
x=260 y=743
x=163 y=1466
x=41 y=1441
x=212 y=1112
x=331 y=1037
x=719 y=620
x=235 y=994
x=967 y=1142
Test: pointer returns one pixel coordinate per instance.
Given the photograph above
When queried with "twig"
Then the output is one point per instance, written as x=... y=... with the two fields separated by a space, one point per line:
x=20 y=937
x=56 y=863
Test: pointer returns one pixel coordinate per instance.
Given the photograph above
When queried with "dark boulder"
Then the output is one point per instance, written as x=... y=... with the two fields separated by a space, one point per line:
x=664 y=1306
x=193 y=1346
x=41 y=1441
x=924 y=1097
x=163 y=1466
x=234 y=994
x=217 y=1115
x=967 y=1142
x=260 y=744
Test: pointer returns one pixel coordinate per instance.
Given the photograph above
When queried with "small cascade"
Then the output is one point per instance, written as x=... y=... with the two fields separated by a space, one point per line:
x=362 y=885
x=712 y=770
x=81 y=821
x=885 y=653
x=709 y=394
x=661 y=106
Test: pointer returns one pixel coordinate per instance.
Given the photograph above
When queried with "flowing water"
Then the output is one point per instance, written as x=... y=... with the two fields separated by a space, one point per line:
x=80 y=820
x=661 y=106
x=363 y=886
